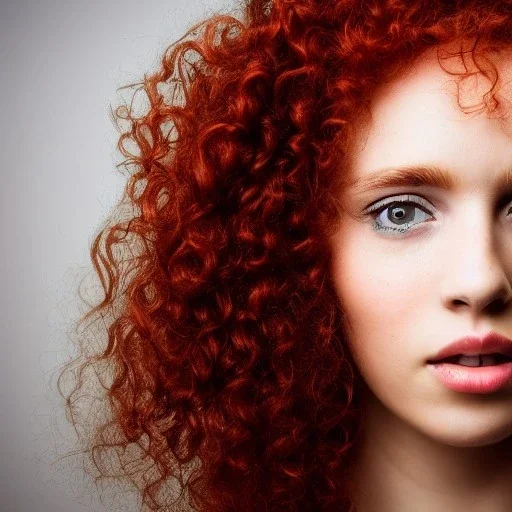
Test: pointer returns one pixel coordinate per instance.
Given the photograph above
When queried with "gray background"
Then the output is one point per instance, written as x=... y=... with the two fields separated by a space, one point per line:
x=61 y=62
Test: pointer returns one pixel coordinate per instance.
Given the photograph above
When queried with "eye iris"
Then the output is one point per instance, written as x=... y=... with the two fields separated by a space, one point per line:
x=398 y=214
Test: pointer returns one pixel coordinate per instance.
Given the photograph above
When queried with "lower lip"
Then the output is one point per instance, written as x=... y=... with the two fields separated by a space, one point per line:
x=473 y=379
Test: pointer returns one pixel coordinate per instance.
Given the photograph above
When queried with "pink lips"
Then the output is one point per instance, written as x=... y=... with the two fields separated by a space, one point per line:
x=478 y=380
x=473 y=345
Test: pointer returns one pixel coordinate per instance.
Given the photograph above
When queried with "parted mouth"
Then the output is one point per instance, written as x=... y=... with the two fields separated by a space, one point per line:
x=497 y=358
x=492 y=344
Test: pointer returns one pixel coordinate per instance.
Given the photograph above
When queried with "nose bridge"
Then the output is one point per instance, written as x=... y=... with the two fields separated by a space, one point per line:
x=477 y=276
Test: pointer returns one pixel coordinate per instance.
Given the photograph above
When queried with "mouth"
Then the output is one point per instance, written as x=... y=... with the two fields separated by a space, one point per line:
x=493 y=349
x=474 y=360
x=475 y=374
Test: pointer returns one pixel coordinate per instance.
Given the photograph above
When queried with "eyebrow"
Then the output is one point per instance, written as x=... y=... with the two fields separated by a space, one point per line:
x=417 y=176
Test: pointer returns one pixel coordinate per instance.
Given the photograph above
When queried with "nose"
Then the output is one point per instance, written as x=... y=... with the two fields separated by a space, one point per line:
x=478 y=280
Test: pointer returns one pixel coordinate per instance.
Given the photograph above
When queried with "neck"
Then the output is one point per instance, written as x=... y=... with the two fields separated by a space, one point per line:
x=398 y=468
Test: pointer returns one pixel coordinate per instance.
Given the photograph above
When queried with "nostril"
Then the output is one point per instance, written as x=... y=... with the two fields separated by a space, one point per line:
x=497 y=306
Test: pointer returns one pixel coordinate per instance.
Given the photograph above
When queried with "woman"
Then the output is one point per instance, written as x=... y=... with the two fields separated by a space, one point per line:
x=324 y=209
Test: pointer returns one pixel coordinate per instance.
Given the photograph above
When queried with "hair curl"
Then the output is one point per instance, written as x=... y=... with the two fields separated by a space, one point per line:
x=225 y=352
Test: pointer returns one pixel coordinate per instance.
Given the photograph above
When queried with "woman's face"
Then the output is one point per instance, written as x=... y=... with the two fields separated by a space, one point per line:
x=407 y=294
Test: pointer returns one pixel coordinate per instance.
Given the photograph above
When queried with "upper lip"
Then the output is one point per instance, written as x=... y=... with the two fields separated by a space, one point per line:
x=474 y=345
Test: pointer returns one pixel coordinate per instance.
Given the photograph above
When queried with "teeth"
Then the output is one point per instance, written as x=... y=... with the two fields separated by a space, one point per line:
x=468 y=360
x=487 y=360
x=478 y=360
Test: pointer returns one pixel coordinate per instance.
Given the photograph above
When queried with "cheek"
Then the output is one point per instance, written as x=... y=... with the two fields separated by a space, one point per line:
x=381 y=293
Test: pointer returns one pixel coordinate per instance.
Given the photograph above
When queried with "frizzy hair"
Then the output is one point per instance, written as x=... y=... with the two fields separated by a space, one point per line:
x=225 y=368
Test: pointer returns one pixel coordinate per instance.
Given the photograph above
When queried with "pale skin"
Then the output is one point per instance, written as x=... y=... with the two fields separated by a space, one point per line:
x=407 y=295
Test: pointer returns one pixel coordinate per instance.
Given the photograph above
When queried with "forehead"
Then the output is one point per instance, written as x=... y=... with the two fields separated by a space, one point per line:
x=422 y=117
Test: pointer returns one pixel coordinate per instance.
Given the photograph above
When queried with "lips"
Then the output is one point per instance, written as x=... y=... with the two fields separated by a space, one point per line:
x=497 y=357
x=492 y=343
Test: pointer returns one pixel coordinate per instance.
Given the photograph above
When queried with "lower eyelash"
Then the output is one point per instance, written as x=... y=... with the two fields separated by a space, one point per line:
x=377 y=227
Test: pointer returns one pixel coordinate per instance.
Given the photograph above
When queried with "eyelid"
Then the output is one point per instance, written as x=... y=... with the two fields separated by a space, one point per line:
x=399 y=198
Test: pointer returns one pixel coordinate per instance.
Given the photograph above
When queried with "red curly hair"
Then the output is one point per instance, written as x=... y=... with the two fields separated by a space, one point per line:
x=226 y=367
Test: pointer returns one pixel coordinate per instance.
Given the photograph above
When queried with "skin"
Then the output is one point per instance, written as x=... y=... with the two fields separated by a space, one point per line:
x=425 y=447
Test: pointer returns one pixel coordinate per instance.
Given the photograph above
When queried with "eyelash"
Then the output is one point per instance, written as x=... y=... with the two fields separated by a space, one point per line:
x=377 y=208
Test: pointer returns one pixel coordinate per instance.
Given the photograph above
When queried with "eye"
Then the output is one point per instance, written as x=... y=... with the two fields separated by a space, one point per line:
x=506 y=202
x=398 y=214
